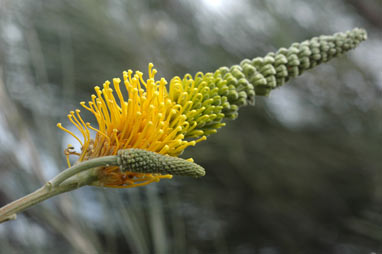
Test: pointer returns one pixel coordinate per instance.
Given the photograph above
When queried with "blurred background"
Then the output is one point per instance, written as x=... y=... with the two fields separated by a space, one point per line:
x=298 y=173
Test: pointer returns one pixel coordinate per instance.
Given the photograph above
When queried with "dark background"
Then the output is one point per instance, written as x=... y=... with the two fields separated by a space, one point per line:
x=298 y=173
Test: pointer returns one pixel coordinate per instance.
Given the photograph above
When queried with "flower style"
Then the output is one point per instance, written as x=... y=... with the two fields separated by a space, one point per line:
x=168 y=121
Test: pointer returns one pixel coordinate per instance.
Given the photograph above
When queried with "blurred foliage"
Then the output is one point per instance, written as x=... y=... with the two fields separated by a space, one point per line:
x=298 y=173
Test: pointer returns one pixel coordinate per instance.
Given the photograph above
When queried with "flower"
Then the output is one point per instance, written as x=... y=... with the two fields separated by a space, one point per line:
x=167 y=122
x=149 y=119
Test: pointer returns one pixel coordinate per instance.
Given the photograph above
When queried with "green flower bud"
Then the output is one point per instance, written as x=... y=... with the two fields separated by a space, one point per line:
x=143 y=161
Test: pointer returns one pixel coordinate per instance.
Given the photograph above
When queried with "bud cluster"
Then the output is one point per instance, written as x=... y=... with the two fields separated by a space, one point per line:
x=209 y=98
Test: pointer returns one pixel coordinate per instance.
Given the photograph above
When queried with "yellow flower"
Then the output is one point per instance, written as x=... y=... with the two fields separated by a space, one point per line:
x=148 y=120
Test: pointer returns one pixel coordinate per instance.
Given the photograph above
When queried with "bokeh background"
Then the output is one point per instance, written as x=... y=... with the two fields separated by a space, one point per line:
x=298 y=173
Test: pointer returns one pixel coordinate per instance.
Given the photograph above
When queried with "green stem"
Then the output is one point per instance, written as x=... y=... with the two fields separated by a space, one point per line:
x=97 y=162
x=9 y=211
x=70 y=179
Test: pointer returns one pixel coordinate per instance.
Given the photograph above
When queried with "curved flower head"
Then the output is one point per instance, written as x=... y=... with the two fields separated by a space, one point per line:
x=167 y=122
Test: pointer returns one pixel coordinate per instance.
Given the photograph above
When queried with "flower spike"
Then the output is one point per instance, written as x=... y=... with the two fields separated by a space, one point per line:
x=154 y=121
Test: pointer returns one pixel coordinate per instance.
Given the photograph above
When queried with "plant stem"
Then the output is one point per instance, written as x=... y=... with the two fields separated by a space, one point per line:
x=97 y=162
x=9 y=211
x=70 y=179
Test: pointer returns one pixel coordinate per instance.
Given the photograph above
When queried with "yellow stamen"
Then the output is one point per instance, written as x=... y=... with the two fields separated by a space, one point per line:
x=87 y=136
x=98 y=131
x=76 y=123
x=59 y=125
